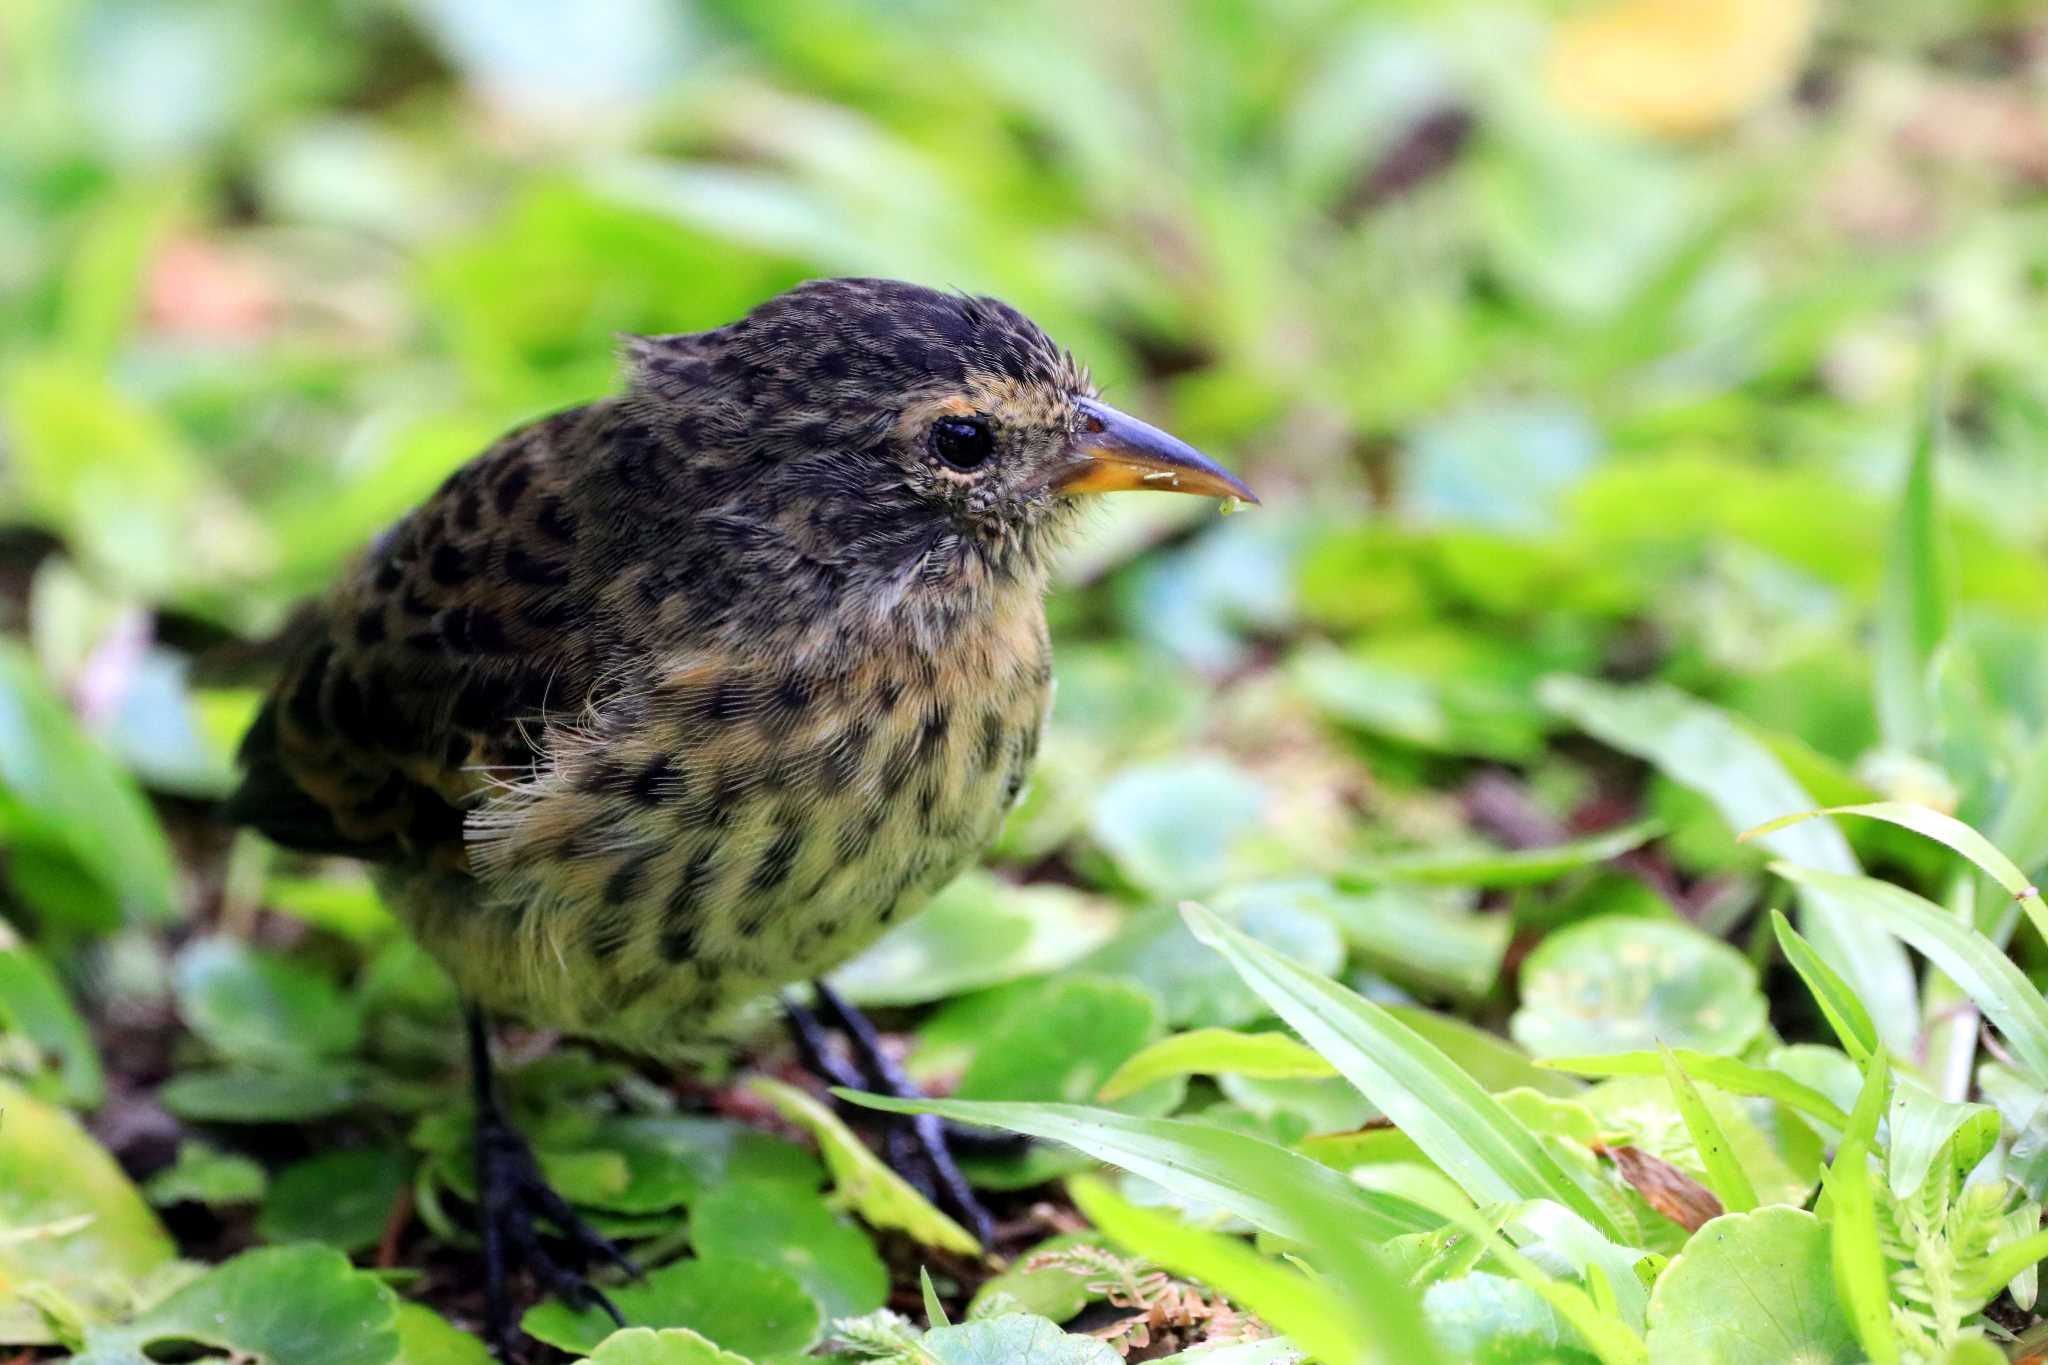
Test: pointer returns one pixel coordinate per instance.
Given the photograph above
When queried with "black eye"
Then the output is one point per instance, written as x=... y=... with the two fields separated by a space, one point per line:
x=962 y=442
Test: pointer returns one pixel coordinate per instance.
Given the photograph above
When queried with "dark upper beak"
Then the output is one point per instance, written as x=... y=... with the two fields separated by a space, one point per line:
x=1114 y=451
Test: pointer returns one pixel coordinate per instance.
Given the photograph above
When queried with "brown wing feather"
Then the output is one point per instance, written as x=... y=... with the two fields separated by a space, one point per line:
x=427 y=670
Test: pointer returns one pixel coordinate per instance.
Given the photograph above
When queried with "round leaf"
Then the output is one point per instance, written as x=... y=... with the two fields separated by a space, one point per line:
x=1752 y=1289
x=261 y=1007
x=1171 y=827
x=743 y=1306
x=780 y=1224
x=341 y=1198
x=1622 y=984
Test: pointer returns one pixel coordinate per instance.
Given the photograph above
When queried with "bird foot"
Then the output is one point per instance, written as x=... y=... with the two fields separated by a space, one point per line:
x=514 y=1199
x=918 y=1147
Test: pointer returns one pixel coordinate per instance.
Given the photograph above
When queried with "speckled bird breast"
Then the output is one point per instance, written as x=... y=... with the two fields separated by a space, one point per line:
x=719 y=828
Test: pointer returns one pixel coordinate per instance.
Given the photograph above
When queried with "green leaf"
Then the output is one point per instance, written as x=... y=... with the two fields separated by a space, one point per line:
x=1943 y=829
x=1268 y=1186
x=343 y=1198
x=1838 y=1004
x=1725 y=1176
x=1063 y=1042
x=70 y=1218
x=670 y=1346
x=1520 y=867
x=202 y=1175
x=861 y=1181
x=1332 y=1323
x=1213 y=1052
x=785 y=1225
x=1701 y=747
x=743 y=1306
x=1493 y=1320
x=1973 y=962
x=1740 y=1078
x=977 y=932
x=1620 y=983
x=1171 y=827
x=427 y=1338
x=238 y=1095
x=1487 y=1058
x=1921 y=1128
x=1013 y=1339
x=1052 y=1291
x=294 y=1305
x=1422 y=936
x=1464 y=1130
x=1155 y=949
x=256 y=1006
x=1855 y=1252
x=34 y=1005
x=1704 y=1310
x=63 y=797
x=1912 y=616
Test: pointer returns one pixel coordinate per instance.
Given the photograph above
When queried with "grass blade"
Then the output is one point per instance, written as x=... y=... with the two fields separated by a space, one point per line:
x=1838 y=1004
x=1216 y=1051
x=1738 y=1078
x=1479 y=1144
x=1912 y=615
x=1857 y=1255
x=1725 y=1176
x=1972 y=961
x=1362 y=1312
x=1279 y=1191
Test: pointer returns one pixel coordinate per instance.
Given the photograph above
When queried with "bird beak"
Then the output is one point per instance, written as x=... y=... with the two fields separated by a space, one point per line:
x=1114 y=451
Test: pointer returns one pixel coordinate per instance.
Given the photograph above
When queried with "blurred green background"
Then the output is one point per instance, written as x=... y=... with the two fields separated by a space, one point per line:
x=1570 y=337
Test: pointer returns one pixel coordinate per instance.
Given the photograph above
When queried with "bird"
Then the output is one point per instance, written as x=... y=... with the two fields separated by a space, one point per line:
x=666 y=703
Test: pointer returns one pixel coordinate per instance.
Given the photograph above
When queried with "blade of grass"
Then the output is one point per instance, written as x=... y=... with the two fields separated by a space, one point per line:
x=1362 y=1312
x=1857 y=1256
x=1912 y=614
x=1738 y=1078
x=1838 y=1004
x=1259 y=1181
x=1972 y=961
x=1470 y=1136
x=1725 y=1176
x=1216 y=1051
x=1943 y=829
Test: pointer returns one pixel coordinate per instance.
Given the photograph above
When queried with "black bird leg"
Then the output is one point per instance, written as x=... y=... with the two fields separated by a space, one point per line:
x=513 y=1198
x=919 y=1147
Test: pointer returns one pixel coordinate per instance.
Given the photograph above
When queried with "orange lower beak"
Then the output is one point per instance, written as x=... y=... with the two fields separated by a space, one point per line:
x=1115 y=452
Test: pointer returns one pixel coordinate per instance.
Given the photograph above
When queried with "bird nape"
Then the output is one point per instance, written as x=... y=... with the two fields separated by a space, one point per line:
x=664 y=703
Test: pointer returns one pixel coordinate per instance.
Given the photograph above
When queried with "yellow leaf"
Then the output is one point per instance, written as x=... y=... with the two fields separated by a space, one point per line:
x=1678 y=67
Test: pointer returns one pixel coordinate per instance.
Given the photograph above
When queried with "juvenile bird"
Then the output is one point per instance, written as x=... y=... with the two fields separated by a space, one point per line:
x=665 y=702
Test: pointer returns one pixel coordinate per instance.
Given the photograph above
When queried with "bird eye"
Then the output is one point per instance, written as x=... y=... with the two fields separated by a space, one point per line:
x=962 y=442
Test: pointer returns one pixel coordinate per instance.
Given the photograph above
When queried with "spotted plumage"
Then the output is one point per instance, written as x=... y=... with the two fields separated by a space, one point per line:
x=668 y=700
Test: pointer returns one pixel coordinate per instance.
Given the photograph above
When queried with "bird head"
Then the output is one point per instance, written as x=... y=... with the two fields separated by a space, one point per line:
x=916 y=429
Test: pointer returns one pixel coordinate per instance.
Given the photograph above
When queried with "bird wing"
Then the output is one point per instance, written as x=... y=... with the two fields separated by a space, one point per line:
x=429 y=672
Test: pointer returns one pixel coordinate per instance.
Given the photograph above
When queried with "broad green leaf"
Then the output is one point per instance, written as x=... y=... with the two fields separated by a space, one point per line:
x=1216 y=1051
x=1838 y=1004
x=34 y=1005
x=1063 y=1041
x=1269 y=1187
x=1493 y=1320
x=785 y=1225
x=63 y=797
x=1704 y=1309
x=1943 y=829
x=203 y=1175
x=1335 y=1321
x=1701 y=747
x=1156 y=949
x=1172 y=828
x=1973 y=962
x=1052 y=1291
x=1921 y=1128
x=343 y=1198
x=861 y=1182
x=256 y=1006
x=1780 y=1160
x=669 y=1346
x=1619 y=983
x=69 y=1218
x=742 y=1306
x=1520 y=867
x=238 y=1095
x=427 y=1338
x=1013 y=1339
x=1740 y=1078
x=978 y=932
x=296 y=1305
x=1725 y=1176
x=1419 y=935
x=1486 y=1057
x=1462 y=1128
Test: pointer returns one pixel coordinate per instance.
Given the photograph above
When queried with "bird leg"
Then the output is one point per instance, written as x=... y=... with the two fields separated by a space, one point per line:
x=918 y=1147
x=513 y=1198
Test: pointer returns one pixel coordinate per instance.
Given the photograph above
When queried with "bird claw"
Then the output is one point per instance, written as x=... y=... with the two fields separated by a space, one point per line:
x=918 y=1147
x=513 y=1201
